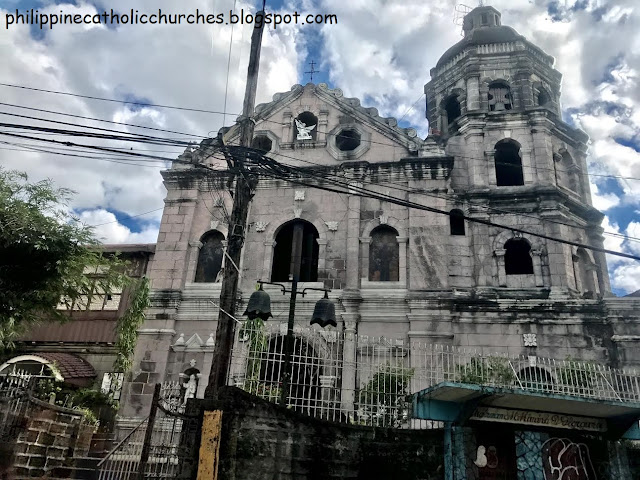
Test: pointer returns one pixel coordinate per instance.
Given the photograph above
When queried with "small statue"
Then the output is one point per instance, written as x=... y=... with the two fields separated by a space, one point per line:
x=190 y=388
x=304 y=132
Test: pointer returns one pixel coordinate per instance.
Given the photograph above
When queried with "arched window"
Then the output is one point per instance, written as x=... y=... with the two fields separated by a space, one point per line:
x=456 y=222
x=210 y=257
x=499 y=97
x=384 y=256
x=543 y=98
x=296 y=253
x=508 y=164
x=517 y=257
x=584 y=271
x=305 y=126
x=567 y=172
x=452 y=108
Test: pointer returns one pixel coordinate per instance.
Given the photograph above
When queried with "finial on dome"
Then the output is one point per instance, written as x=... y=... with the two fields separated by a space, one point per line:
x=481 y=17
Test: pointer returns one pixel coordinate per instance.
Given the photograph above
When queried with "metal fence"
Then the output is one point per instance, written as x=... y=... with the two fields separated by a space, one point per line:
x=14 y=393
x=154 y=449
x=369 y=380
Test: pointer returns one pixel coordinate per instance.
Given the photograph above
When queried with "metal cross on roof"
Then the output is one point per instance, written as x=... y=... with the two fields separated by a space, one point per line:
x=312 y=71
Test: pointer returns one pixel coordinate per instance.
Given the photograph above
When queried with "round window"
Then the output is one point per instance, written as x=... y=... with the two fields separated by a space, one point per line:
x=262 y=142
x=347 y=140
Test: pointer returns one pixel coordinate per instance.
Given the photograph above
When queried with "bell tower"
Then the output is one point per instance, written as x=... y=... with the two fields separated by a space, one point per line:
x=493 y=101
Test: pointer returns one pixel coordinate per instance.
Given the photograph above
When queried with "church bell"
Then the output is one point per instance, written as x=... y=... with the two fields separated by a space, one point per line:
x=324 y=312
x=259 y=305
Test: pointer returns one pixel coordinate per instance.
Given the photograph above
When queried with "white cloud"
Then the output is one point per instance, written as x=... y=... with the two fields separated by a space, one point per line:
x=109 y=230
x=168 y=64
x=603 y=201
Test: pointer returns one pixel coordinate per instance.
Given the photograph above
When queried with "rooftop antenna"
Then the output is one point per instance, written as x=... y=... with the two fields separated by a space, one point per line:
x=459 y=12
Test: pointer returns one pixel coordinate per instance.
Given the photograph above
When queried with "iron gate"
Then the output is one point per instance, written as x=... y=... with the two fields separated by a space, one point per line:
x=159 y=447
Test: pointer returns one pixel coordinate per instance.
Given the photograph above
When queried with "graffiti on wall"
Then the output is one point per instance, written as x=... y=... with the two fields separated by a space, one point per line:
x=563 y=459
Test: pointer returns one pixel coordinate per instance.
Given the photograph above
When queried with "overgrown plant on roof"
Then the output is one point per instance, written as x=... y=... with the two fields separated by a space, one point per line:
x=493 y=370
x=48 y=258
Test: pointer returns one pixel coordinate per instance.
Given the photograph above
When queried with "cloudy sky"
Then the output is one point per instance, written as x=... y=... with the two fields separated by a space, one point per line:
x=380 y=51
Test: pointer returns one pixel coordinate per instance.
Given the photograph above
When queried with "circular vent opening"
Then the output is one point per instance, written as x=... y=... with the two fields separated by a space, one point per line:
x=262 y=142
x=347 y=140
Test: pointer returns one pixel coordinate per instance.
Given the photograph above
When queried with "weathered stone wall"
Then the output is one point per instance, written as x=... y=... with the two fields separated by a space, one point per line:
x=51 y=436
x=261 y=440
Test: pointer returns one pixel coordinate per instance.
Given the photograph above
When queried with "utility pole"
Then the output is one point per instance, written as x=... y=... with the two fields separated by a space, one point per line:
x=237 y=223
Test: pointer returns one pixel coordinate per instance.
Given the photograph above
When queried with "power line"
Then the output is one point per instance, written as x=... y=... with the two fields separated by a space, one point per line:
x=133 y=137
x=270 y=168
x=112 y=160
x=399 y=186
x=93 y=147
x=143 y=104
x=94 y=119
x=586 y=174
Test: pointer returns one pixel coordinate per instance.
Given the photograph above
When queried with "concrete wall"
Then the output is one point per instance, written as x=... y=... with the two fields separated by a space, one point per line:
x=261 y=440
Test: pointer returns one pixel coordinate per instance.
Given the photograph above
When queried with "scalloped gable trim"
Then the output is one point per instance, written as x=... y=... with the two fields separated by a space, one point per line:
x=387 y=126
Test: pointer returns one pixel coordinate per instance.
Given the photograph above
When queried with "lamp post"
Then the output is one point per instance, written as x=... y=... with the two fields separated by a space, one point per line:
x=259 y=306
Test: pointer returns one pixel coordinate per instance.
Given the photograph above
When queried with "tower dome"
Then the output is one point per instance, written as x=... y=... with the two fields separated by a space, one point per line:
x=483 y=26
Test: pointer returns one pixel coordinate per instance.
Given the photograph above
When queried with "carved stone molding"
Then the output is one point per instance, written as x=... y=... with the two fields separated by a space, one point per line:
x=530 y=339
x=332 y=226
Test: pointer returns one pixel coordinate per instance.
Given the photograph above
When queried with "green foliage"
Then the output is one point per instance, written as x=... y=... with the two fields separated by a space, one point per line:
x=258 y=344
x=46 y=256
x=93 y=399
x=90 y=418
x=128 y=325
x=46 y=387
x=580 y=375
x=385 y=400
x=486 y=370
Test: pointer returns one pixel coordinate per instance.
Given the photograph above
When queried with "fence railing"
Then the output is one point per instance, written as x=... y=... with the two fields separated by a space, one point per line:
x=153 y=449
x=369 y=380
x=123 y=461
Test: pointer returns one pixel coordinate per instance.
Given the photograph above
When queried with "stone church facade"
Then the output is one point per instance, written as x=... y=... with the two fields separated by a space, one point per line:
x=498 y=152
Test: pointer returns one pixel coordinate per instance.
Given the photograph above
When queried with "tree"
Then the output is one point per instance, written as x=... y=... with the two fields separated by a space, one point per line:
x=47 y=257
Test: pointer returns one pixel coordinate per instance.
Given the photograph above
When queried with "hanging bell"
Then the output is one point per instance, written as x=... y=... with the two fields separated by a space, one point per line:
x=259 y=305
x=324 y=312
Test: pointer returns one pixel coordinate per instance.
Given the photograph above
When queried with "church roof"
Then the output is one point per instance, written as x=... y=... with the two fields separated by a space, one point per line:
x=335 y=96
x=481 y=36
x=482 y=27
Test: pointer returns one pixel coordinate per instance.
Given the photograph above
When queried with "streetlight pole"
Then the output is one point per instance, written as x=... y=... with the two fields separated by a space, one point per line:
x=288 y=344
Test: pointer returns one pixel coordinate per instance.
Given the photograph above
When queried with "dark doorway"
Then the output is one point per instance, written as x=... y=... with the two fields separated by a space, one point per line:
x=296 y=253
x=456 y=222
x=517 y=258
x=452 y=107
x=508 y=164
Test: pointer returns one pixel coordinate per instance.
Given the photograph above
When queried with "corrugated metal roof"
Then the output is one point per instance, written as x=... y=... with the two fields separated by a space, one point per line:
x=74 y=331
